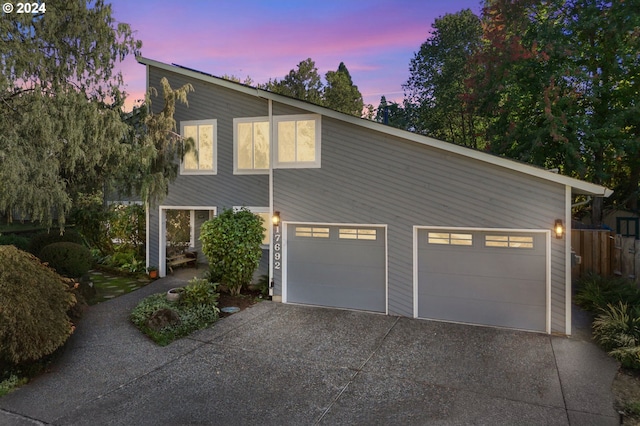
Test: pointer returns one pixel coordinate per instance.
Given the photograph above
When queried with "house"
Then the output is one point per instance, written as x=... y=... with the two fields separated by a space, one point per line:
x=371 y=217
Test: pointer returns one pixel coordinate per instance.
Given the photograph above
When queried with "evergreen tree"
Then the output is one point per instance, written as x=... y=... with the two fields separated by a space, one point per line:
x=341 y=94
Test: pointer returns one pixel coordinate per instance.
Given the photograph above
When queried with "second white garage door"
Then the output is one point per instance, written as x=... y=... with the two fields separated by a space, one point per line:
x=493 y=277
x=342 y=266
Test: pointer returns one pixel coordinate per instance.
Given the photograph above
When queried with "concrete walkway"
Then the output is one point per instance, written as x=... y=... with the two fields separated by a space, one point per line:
x=285 y=364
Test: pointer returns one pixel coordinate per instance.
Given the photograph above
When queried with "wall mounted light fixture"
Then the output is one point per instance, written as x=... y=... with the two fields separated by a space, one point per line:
x=558 y=228
x=276 y=219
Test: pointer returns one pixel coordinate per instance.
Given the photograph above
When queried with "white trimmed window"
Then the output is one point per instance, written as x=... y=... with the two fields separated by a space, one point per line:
x=203 y=160
x=297 y=141
x=251 y=145
x=265 y=214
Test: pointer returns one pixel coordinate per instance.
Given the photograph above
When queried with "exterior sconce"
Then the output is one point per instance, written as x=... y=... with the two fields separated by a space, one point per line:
x=558 y=228
x=276 y=219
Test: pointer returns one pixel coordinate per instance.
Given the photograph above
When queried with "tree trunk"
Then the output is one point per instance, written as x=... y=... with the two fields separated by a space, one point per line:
x=596 y=211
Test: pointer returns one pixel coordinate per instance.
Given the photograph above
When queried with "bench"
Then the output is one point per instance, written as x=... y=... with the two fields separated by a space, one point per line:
x=186 y=258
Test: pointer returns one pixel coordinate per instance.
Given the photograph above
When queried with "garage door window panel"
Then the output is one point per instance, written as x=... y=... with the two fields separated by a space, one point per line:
x=509 y=241
x=357 y=234
x=312 y=232
x=448 y=238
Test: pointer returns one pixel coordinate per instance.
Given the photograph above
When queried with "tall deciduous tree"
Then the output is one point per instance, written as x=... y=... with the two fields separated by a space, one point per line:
x=557 y=83
x=60 y=100
x=436 y=91
x=341 y=94
x=302 y=83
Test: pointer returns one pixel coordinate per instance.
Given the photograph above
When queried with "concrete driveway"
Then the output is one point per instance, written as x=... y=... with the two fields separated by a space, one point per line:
x=286 y=364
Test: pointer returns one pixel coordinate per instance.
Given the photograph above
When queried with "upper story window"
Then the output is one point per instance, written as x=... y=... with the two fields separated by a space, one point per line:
x=251 y=145
x=297 y=141
x=204 y=134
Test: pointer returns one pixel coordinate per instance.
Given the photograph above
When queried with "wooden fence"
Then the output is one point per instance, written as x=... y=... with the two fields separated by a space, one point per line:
x=605 y=253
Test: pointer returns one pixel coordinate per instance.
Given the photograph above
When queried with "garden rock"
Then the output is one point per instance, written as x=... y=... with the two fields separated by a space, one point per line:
x=163 y=318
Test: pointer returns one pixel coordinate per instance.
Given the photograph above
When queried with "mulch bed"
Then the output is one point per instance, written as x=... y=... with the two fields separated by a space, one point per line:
x=245 y=299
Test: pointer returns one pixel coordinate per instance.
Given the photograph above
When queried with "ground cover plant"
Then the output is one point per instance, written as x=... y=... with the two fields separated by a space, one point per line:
x=615 y=304
x=164 y=321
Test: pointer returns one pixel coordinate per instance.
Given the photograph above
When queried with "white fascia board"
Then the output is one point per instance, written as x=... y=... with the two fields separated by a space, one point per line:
x=579 y=187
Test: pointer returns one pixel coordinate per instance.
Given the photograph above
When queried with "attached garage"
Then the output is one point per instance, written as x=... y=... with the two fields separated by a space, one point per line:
x=341 y=266
x=495 y=277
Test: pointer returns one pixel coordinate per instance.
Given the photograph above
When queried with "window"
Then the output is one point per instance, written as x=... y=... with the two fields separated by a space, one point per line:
x=508 y=241
x=310 y=231
x=251 y=145
x=204 y=135
x=628 y=226
x=449 y=238
x=357 y=234
x=265 y=214
x=297 y=141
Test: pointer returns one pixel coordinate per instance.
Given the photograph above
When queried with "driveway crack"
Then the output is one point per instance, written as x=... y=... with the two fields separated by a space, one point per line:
x=357 y=372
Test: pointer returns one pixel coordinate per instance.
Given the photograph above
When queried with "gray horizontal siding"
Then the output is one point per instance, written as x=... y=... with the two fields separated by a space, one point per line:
x=367 y=177
x=371 y=178
x=223 y=190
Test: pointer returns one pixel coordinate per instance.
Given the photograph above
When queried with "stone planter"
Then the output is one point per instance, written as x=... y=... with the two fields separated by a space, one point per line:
x=173 y=295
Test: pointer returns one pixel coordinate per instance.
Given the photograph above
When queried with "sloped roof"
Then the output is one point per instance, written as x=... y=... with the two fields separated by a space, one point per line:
x=578 y=186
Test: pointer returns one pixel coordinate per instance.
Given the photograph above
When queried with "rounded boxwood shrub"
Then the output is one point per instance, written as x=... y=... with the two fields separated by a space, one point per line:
x=14 y=240
x=40 y=241
x=68 y=259
x=33 y=309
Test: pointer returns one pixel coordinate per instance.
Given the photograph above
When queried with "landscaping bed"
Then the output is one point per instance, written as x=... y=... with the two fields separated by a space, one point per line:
x=245 y=299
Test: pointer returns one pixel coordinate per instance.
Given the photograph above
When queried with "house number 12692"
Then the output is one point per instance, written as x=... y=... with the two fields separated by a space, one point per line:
x=277 y=256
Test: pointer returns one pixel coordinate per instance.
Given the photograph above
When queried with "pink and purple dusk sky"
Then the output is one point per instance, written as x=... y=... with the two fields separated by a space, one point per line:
x=265 y=39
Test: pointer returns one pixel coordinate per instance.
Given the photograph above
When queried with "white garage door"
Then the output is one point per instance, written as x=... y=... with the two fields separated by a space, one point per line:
x=337 y=266
x=496 y=278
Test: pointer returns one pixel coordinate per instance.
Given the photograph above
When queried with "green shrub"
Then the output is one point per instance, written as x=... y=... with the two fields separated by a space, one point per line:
x=40 y=241
x=596 y=292
x=199 y=292
x=68 y=259
x=127 y=225
x=14 y=240
x=33 y=312
x=231 y=241
x=121 y=257
x=617 y=330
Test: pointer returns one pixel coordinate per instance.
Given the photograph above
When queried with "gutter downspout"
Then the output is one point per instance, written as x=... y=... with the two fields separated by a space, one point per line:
x=271 y=278
x=582 y=203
